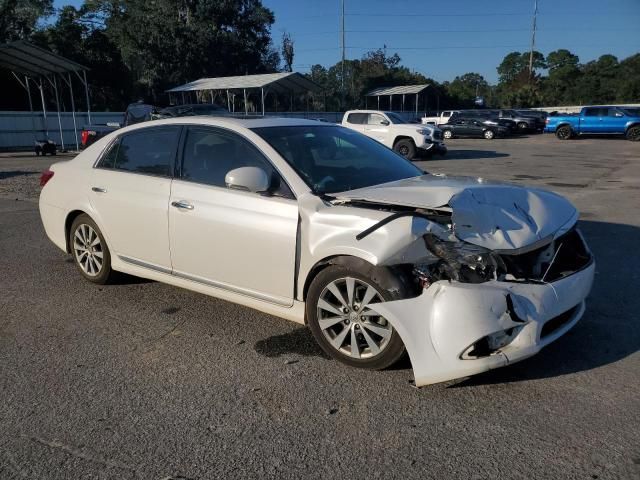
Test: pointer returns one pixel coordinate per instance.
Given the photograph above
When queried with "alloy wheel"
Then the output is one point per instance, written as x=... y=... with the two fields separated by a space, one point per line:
x=88 y=250
x=347 y=322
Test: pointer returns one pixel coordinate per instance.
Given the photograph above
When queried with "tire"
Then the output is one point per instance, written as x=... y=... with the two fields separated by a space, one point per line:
x=341 y=333
x=633 y=133
x=89 y=250
x=406 y=148
x=522 y=126
x=447 y=134
x=564 y=132
x=489 y=134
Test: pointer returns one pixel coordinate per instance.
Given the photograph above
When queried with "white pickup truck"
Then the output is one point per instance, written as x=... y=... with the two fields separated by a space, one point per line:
x=441 y=119
x=408 y=139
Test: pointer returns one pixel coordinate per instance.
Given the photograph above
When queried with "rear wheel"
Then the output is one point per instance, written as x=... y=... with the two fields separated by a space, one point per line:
x=406 y=148
x=633 y=134
x=522 y=126
x=564 y=132
x=90 y=252
x=488 y=134
x=344 y=325
x=447 y=134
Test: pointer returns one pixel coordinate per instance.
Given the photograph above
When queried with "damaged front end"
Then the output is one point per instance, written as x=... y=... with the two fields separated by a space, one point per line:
x=475 y=308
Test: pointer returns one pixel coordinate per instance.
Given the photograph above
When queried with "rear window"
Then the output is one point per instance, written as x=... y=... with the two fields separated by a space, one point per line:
x=357 y=118
x=148 y=151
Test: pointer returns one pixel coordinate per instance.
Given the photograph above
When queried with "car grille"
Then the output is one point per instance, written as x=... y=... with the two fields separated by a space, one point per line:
x=564 y=256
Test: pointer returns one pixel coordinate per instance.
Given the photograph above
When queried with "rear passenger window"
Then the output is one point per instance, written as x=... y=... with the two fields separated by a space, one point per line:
x=357 y=118
x=596 y=112
x=149 y=151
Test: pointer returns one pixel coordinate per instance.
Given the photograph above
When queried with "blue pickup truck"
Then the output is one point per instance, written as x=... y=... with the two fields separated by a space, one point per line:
x=597 y=120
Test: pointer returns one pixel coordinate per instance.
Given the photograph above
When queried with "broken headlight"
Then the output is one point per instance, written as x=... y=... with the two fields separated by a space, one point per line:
x=459 y=261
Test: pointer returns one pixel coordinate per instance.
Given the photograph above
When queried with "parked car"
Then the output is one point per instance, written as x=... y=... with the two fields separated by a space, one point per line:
x=441 y=119
x=488 y=119
x=142 y=112
x=135 y=113
x=324 y=226
x=525 y=123
x=395 y=132
x=539 y=114
x=597 y=120
x=472 y=127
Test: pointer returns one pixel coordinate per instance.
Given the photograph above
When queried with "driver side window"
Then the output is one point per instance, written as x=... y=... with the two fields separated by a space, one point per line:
x=376 y=119
x=209 y=154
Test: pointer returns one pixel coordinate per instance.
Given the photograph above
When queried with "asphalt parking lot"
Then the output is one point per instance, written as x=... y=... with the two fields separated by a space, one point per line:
x=143 y=380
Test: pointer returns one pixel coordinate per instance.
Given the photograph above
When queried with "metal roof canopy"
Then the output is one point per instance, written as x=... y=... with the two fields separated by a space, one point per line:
x=287 y=82
x=398 y=90
x=283 y=82
x=34 y=63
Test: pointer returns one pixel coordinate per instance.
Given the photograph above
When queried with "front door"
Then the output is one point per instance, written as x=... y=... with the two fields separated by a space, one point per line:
x=239 y=241
x=130 y=191
x=377 y=127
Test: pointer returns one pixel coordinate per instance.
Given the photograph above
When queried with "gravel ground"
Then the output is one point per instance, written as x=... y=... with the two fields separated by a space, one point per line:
x=142 y=380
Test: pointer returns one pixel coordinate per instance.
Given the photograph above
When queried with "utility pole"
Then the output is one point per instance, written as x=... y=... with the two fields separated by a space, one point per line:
x=533 y=38
x=343 y=55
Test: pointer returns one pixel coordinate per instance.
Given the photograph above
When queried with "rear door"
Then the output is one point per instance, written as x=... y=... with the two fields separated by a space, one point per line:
x=378 y=127
x=130 y=195
x=235 y=240
x=356 y=121
x=592 y=120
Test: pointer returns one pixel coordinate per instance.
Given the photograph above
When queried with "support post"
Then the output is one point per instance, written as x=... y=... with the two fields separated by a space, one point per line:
x=262 y=91
x=244 y=91
x=86 y=92
x=44 y=109
x=73 y=111
x=416 y=104
x=55 y=91
x=391 y=102
x=378 y=102
x=403 y=102
x=228 y=101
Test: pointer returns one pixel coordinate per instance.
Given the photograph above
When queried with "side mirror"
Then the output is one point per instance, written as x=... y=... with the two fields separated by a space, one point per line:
x=250 y=179
x=384 y=122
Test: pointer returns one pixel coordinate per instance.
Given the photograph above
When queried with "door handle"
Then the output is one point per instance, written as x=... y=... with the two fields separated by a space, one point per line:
x=182 y=205
x=99 y=189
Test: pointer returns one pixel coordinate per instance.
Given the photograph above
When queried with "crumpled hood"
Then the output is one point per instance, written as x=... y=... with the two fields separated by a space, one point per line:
x=494 y=215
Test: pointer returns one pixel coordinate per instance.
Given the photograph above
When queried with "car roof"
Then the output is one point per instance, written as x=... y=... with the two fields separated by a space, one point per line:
x=229 y=122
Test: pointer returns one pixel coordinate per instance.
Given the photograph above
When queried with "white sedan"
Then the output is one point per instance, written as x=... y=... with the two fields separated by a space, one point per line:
x=322 y=225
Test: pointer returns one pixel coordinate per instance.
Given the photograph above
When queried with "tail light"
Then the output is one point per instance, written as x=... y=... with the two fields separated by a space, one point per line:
x=546 y=121
x=84 y=136
x=45 y=177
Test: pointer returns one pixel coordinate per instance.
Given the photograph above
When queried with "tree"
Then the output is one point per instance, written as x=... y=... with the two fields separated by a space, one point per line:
x=19 y=18
x=465 y=88
x=287 y=51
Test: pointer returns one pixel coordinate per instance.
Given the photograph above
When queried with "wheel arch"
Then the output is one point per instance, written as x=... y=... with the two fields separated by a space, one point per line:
x=71 y=216
x=402 y=137
x=631 y=125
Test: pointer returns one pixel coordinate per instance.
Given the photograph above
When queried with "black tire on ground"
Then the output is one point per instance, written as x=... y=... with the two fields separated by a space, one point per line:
x=564 y=132
x=406 y=148
x=633 y=133
x=489 y=134
x=394 y=349
x=105 y=274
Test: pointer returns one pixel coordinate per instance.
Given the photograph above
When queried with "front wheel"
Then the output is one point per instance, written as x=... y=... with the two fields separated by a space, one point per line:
x=406 y=148
x=564 y=132
x=448 y=134
x=489 y=135
x=633 y=134
x=522 y=126
x=90 y=252
x=343 y=324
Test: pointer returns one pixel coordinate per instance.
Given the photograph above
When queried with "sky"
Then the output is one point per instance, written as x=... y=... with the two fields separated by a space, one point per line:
x=445 y=38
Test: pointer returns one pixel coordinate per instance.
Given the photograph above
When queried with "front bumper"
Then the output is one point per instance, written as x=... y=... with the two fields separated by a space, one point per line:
x=438 y=326
x=434 y=147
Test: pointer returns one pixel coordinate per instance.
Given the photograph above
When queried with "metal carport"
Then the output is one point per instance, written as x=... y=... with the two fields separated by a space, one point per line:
x=288 y=82
x=399 y=90
x=34 y=64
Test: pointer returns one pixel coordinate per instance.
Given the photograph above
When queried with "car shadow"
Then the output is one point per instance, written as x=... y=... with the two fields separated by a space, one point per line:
x=468 y=155
x=608 y=331
x=15 y=173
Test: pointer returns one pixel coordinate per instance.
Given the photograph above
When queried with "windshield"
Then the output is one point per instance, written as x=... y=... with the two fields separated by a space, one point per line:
x=334 y=159
x=395 y=118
